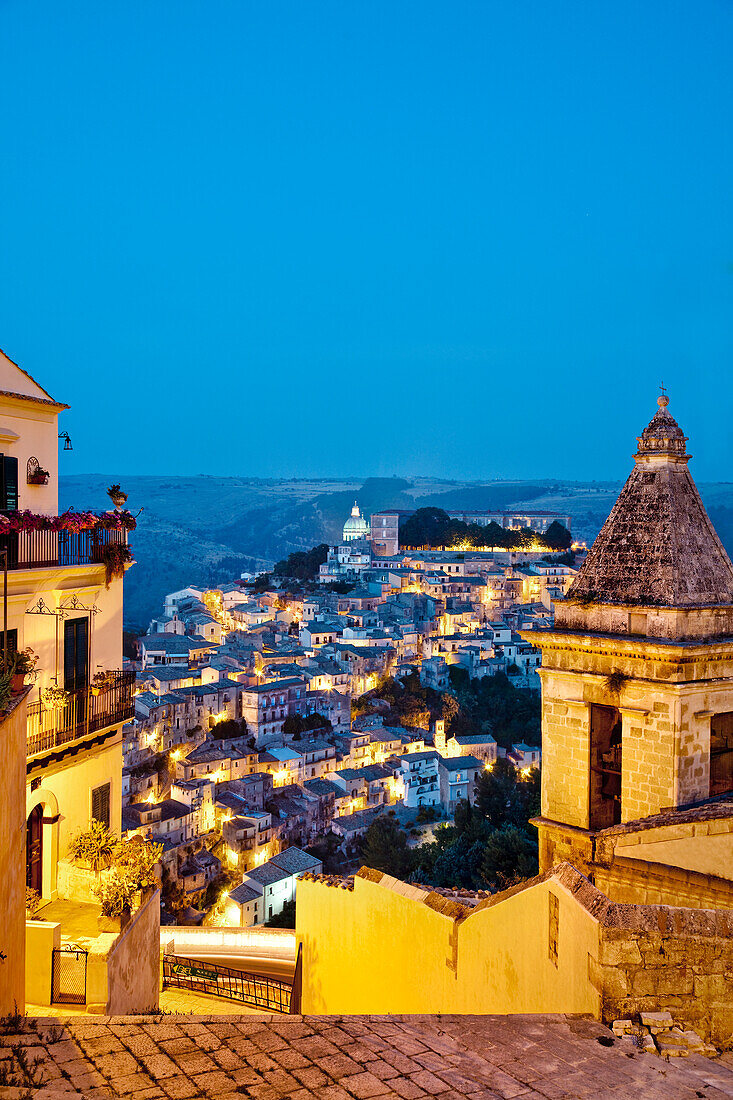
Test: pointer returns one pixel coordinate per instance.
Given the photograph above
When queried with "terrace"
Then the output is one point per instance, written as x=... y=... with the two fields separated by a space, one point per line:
x=86 y=710
x=51 y=549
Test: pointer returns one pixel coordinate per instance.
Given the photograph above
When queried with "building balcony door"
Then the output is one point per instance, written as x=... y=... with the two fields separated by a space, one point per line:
x=76 y=668
x=34 y=850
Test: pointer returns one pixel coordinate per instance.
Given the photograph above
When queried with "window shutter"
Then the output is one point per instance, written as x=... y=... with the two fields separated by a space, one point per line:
x=10 y=484
x=100 y=804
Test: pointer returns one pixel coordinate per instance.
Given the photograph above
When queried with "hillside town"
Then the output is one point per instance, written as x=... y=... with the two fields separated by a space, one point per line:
x=262 y=737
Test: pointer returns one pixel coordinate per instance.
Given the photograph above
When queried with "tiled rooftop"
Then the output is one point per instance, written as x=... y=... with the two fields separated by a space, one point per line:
x=352 y=1058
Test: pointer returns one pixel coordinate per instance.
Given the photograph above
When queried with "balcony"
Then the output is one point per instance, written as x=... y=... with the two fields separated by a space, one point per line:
x=52 y=549
x=83 y=713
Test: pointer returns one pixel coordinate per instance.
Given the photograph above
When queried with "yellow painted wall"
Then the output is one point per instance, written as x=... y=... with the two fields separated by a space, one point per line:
x=41 y=937
x=72 y=781
x=379 y=949
x=12 y=860
x=710 y=854
x=29 y=429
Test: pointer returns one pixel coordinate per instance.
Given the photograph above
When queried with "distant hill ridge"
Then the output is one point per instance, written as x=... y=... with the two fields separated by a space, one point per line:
x=209 y=529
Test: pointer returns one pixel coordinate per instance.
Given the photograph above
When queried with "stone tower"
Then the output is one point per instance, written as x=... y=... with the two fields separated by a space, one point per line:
x=637 y=674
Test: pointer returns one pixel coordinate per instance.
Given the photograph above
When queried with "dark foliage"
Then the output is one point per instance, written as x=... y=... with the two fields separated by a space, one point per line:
x=229 y=729
x=303 y=565
x=434 y=527
x=295 y=725
x=385 y=848
x=285 y=918
x=490 y=843
x=493 y=705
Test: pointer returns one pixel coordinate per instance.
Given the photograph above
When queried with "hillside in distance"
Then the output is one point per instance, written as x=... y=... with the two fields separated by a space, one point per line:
x=206 y=529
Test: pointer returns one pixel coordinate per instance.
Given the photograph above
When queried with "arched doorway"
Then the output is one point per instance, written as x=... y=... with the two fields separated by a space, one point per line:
x=34 y=850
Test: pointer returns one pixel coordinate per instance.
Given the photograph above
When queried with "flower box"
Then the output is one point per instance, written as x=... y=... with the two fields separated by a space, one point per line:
x=40 y=477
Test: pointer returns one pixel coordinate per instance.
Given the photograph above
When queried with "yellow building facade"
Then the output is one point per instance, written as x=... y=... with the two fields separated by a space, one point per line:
x=63 y=592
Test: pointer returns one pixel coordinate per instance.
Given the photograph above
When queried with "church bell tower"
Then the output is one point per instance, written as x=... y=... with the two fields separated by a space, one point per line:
x=637 y=673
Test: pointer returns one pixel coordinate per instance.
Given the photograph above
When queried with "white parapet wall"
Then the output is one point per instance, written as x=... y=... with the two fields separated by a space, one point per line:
x=265 y=943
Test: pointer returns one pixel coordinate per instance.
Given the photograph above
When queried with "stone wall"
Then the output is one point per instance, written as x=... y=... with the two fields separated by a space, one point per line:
x=670 y=958
x=133 y=963
x=637 y=882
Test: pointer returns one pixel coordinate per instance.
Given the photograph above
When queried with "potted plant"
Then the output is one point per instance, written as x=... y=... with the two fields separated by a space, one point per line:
x=32 y=903
x=99 y=682
x=39 y=476
x=23 y=664
x=117 y=496
x=115 y=556
x=139 y=861
x=95 y=846
x=115 y=899
x=54 y=697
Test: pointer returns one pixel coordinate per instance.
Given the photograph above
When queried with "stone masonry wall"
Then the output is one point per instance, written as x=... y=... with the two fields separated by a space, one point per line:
x=648 y=768
x=682 y=965
x=638 y=882
x=565 y=751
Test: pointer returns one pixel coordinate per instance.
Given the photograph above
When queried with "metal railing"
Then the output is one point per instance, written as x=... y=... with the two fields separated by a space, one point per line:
x=222 y=981
x=84 y=712
x=49 y=549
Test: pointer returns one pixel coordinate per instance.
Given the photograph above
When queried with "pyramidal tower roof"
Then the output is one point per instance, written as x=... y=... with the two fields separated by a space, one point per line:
x=658 y=546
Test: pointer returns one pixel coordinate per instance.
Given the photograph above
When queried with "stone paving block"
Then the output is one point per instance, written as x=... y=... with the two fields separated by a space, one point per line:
x=311 y=1077
x=132 y=1083
x=428 y=1082
x=245 y=1077
x=192 y=1064
x=333 y=1092
x=337 y=1065
x=180 y=1088
x=116 y=1065
x=406 y=1089
x=290 y=1059
x=364 y=1085
x=210 y=1084
x=227 y=1059
x=381 y=1069
x=159 y=1066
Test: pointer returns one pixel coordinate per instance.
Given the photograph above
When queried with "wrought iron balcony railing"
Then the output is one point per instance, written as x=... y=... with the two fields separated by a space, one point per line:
x=49 y=549
x=84 y=712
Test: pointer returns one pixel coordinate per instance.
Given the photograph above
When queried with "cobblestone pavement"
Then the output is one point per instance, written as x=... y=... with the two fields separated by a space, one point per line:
x=351 y=1058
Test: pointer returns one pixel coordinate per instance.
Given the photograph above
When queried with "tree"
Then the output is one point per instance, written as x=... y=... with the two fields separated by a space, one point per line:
x=303 y=565
x=285 y=918
x=229 y=729
x=495 y=792
x=557 y=536
x=385 y=848
x=509 y=854
x=295 y=724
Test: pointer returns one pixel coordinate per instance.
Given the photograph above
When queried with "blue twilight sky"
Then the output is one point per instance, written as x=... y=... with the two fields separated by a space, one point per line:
x=370 y=236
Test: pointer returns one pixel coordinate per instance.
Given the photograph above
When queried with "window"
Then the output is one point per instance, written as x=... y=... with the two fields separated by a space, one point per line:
x=721 y=753
x=100 y=804
x=12 y=640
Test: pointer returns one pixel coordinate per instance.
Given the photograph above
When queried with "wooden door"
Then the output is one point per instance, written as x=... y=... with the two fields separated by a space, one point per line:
x=34 y=850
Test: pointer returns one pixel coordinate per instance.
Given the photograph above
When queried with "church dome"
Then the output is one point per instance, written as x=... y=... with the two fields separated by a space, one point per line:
x=356 y=527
